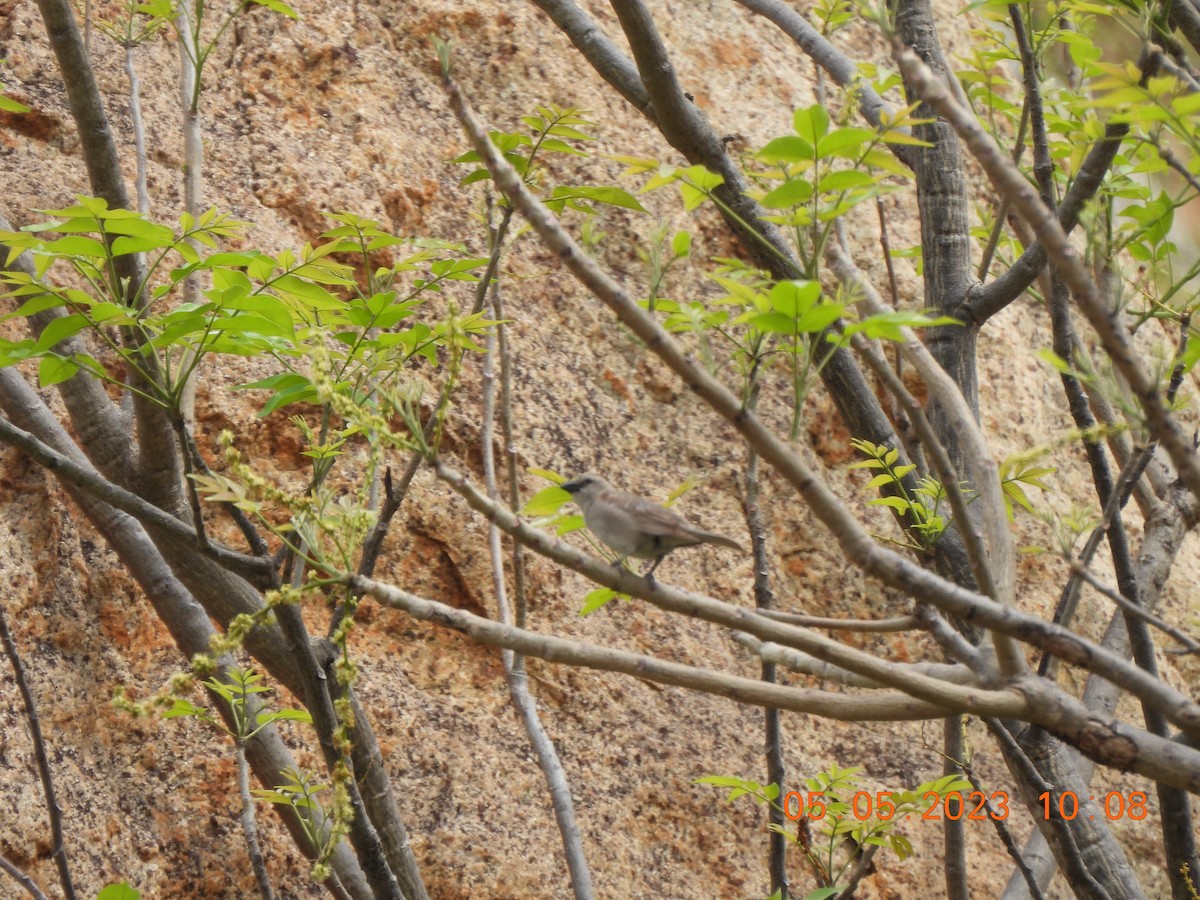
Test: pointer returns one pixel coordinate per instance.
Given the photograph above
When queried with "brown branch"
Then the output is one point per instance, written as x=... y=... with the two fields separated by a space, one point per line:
x=1051 y=234
x=253 y=569
x=158 y=464
x=889 y=706
x=896 y=623
x=803 y=663
x=764 y=599
x=58 y=848
x=21 y=878
x=549 y=760
x=855 y=542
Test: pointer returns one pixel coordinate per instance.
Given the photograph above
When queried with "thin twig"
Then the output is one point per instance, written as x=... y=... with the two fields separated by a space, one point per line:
x=258 y=572
x=58 y=850
x=21 y=878
x=249 y=825
x=954 y=644
x=764 y=599
x=1190 y=644
x=258 y=545
x=805 y=664
x=1077 y=873
x=1003 y=832
x=186 y=451
x=514 y=665
x=993 y=241
x=1009 y=181
x=1165 y=154
x=139 y=128
x=886 y=250
x=896 y=623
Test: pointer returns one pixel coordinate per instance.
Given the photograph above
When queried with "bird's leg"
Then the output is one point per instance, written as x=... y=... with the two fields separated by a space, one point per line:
x=649 y=573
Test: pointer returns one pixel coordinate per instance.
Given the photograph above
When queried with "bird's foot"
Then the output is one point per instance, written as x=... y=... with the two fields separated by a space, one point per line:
x=649 y=573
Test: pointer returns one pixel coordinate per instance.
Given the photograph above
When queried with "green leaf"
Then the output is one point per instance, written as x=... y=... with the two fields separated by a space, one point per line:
x=844 y=181
x=896 y=136
x=278 y=6
x=311 y=295
x=790 y=193
x=40 y=303
x=183 y=707
x=546 y=502
x=613 y=196
x=825 y=892
x=596 y=599
x=136 y=226
x=110 y=313
x=696 y=184
x=78 y=245
x=812 y=123
x=301 y=391
x=787 y=149
x=819 y=318
x=773 y=323
x=847 y=142
x=792 y=298
x=554 y=145
x=1190 y=354
x=8 y=104
x=12 y=352
x=119 y=891
x=60 y=329
x=567 y=524
x=887 y=326
x=55 y=370
x=285 y=715
x=125 y=245
x=893 y=502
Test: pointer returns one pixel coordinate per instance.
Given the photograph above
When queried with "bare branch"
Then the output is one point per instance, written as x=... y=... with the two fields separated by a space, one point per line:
x=798 y=661
x=514 y=665
x=58 y=851
x=984 y=301
x=698 y=606
x=21 y=878
x=890 y=706
x=1059 y=250
x=897 y=623
x=855 y=542
x=843 y=70
x=1189 y=643
x=254 y=569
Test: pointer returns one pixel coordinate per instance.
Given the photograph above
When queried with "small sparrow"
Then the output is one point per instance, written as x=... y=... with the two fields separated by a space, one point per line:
x=633 y=526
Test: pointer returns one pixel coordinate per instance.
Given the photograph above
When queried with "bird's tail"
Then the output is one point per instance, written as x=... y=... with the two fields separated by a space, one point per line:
x=711 y=537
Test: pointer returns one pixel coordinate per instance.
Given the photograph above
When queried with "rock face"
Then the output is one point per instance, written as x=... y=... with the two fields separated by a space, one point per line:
x=341 y=110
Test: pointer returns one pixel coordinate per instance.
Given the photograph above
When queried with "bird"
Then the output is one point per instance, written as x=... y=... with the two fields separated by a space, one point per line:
x=634 y=526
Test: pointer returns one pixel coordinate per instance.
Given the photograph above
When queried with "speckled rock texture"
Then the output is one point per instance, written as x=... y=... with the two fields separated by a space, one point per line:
x=341 y=110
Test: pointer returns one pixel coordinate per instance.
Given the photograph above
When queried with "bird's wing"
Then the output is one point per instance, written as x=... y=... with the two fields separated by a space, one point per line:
x=661 y=521
x=658 y=520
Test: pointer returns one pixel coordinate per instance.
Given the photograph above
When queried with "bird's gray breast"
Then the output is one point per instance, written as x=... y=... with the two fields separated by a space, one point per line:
x=620 y=530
